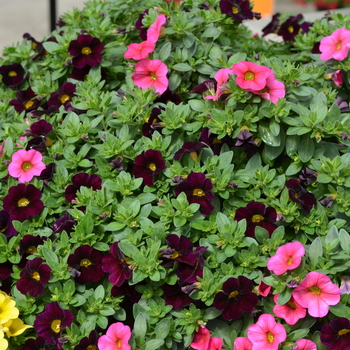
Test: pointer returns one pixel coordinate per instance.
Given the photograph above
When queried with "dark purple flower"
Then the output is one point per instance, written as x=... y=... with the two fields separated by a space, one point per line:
x=63 y=96
x=343 y=105
x=273 y=26
x=5 y=270
x=305 y=27
x=29 y=245
x=47 y=174
x=64 y=223
x=198 y=189
x=205 y=6
x=336 y=334
x=115 y=263
x=290 y=28
x=345 y=285
x=34 y=277
x=25 y=100
x=153 y=123
x=207 y=85
x=80 y=74
x=117 y=163
x=148 y=164
x=86 y=51
x=128 y=291
x=239 y=10
x=49 y=324
x=191 y=148
x=299 y=195
x=88 y=343
x=12 y=74
x=175 y=297
x=139 y=25
x=40 y=128
x=168 y=96
x=213 y=141
x=308 y=176
x=327 y=202
x=236 y=297
x=23 y=201
x=245 y=140
x=82 y=179
x=316 y=48
x=88 y=262
x=257 y=214
x=6 y=226
x=38 y=46
x=36 y=344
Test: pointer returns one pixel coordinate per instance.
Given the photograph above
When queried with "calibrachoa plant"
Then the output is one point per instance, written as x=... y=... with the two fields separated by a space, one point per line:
x=170 y=180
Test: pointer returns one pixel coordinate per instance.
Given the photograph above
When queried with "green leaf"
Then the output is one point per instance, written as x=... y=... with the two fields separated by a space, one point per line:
x=128 y=249
x=188 y=40
x=50 y=46
x=114 y=226
x=140 y=327
x=285 y=296
x=340 y=310
x=49 y=255
x=182 y=67
x=306 y=148
x=174 y=81
x=153 y=344
x=294 y=168
x=165 y=51
x=212 y=32
x=324 y=178
x=99 y=293
x=315 y=251
x=197 y=105
x=268 y=137
x=344 y=238
x=162 y=328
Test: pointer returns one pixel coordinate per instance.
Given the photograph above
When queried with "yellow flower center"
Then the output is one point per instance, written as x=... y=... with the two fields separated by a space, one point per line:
x=23 y=202
x=153 y=76
x=338 y=45
x=290 y=29
x=26 y=166
x=31 y=250
x=48 y=141
x=198 y=192
x=28 y=104
x=292 y=305
x=194 y=156
x=296 y=195
x=265 y=89
x=91 y=347
x=85 y=263
x=249 y=75
x=344 y=331
x=36 y=276
x=174 y=255
x=290 y=260
x=86 y=51
x=216 y=141
x=270 y=337
x=233 y=294
x=152 y=166
x=119 y=343
x=234 y=9
x=3 y=229
x=12 y=73
x=56 y=326
x=315 y=290
x=257 y=218
x=64 y=98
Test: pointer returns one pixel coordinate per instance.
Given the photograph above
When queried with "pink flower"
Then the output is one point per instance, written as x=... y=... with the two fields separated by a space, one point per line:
x=316 y=292
x=305 y=344
x=221 y=77
x=250 y=75
x=154 y=30
x=151 y=73
x=263 y=288
x=215 y=343
x=201 y=339
x=272 y=91
x=26 y=164
x=336 y=45
x=139 y=51
x=242 y=343
x=288 y=257
x=291 y=312
x=266 y=334
x=337 y=77
x=116 y=338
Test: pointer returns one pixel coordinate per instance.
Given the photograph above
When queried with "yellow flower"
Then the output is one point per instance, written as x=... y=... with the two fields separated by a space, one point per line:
x=15 y=327
x=3 y=344
x=8 y=310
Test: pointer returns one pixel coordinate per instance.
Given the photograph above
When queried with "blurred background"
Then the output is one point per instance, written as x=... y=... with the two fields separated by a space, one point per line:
x=33 y=16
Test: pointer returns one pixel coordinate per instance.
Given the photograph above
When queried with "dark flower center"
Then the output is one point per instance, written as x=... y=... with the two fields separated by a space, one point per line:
x=12 y=73
x=292 y=305
x=85 y=263
x=86 y=51
x=249 y=75
x=152 y=166
x=28 y=104
x=315 y=290
x=56 y=326
x=64 y=98
x=198 y=192
x=257 y=218
x=31 y=250
x=91 y=347
x=290 y=29
x=233 y=294
x=153 y=76
x=234 y=9
x=23 y=202
x=26 y=166
x=270 y=337
x=344 y=331
x=36 y=276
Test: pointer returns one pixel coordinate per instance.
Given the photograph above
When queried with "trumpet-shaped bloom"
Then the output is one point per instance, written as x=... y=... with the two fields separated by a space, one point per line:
x=242 y=343
x=336 y=334
x=15 y=327
x=316 y=292
x=272 y=91
x=26 y=164
x=221 y=78
x=336 y=45
x=305 y=344
x=151 y=74
x=251 y=76
x=203 y=341
x=154 y=30
x=138 y=51
x=8 y=310
x=116 y=338
x=291 y=312
x=266 y=334
x=288 y=257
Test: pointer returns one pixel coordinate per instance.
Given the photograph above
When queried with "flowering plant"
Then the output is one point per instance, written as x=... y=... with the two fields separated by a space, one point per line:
x=170 y=180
